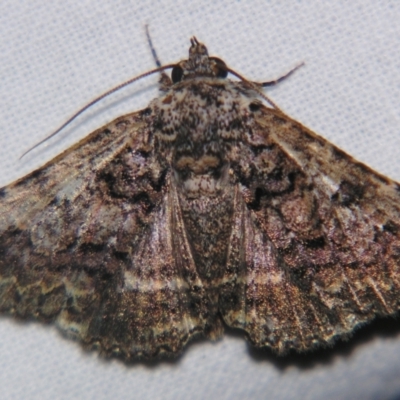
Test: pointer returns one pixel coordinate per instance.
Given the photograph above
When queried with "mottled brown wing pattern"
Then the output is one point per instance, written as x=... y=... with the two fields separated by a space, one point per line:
x=315 y=246
x=205 y=207
x=78 y=246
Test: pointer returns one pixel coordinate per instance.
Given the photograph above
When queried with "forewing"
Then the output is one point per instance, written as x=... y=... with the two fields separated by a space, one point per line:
x=315 y=245
x=87 y=241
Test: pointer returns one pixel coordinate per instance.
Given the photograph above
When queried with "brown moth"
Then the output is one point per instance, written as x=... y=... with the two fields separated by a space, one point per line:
x=206 y=208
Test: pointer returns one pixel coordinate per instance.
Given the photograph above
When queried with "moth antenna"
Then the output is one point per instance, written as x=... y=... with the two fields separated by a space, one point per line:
x=97 y=99
x=152 y=48
x=281 y=78
x=154 y=53
x=256 y=85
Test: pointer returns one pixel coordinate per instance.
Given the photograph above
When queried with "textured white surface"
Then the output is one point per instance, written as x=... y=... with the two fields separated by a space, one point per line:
x=57 y=56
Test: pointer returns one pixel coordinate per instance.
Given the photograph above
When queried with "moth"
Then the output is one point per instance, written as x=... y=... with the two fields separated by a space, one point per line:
x=207 y=208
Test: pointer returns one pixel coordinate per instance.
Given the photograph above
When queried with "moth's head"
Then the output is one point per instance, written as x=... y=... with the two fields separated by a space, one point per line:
x=199 y=64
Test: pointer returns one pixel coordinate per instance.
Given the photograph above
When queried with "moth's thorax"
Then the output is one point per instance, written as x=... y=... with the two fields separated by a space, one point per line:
x=196 y=126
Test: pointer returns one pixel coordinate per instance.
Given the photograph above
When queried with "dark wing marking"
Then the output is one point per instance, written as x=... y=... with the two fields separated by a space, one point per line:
x=86 y=241
x=315 y=246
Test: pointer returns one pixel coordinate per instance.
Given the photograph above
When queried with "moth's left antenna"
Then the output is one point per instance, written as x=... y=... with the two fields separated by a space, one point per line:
x=164 y=78
x=152 y=48
x=97 y=99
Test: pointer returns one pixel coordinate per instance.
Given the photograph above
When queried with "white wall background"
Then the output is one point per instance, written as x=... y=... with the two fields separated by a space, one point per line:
x=57 y=56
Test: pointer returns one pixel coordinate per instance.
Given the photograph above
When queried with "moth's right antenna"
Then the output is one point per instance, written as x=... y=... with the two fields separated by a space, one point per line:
x=257 y=85
x=281 y=78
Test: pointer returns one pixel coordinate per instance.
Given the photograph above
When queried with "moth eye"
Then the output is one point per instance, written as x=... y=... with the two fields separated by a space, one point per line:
x=176 y=74
x=219 y=67
x=254 y=107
